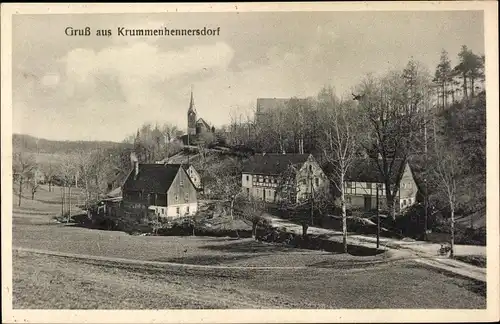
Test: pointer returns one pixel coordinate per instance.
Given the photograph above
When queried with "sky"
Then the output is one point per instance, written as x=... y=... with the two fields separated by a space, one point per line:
x=105 y=88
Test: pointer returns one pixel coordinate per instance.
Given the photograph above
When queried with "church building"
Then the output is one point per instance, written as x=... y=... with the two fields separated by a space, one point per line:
x=195 y=126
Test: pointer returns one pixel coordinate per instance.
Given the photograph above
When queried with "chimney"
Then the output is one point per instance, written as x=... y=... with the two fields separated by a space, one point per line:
x=135 y=163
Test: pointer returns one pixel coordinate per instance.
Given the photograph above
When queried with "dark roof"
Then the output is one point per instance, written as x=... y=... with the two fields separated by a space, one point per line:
x=366 y=170
x=273 y=163
x=185 y=166
x=152 y=178
x=203 y=122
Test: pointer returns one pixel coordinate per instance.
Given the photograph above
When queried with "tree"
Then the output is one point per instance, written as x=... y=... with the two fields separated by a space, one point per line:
x=23 y=165
x=448 y=172
x=443 y=77
x=339 y=150
x=49 y=171
x=33 y=183
x=470 y=69
x=252 y=211
x=224 y=182
x=84 y=166
x=394 y=107
x=67 y=171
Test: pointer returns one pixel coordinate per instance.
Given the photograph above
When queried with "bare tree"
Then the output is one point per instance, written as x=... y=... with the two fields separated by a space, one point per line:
x=448 y=170
x=67 y=170
x=33 y=182
x=394 y=108
x=224 y=182
x=84 y=166
x=252 y=211
x=23 y=165
x=339 y=151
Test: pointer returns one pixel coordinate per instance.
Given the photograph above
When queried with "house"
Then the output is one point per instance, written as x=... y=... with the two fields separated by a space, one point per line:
x=165 y=189
x=278 y=177
x=193 y=174
x=363 y=178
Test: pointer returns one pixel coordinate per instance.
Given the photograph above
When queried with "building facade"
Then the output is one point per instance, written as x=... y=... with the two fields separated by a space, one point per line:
x=364 y=179
x=163 y=189
x=278 y=177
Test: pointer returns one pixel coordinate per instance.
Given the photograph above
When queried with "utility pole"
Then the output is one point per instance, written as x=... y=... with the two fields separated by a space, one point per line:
x=378 y=219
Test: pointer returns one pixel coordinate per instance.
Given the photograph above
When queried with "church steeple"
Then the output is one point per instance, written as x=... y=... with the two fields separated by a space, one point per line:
x=191 y=103
x=191 y=115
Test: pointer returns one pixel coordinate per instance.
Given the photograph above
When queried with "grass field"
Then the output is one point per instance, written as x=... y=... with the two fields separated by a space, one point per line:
x=65 y=283
x=329 y=281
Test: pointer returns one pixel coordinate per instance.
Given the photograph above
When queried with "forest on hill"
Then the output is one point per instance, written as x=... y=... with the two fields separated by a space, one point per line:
x=31 y=144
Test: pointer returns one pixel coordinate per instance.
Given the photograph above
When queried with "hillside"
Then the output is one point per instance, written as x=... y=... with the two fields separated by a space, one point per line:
x=50 y=147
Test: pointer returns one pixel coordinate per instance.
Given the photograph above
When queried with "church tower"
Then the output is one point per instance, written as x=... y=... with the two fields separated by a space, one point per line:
x=191 y=116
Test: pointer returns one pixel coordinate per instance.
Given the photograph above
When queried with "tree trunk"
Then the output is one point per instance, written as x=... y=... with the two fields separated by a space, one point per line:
x=32 y=195
x=254 y=230
x=472 y=87
x=231 y=209
x=69 y=203
x=465 y=86
x=50 y=186
x=452 y=230
x=344 y=220
x=391 y=201
x=20 y=190
x=62 y=201
x=304 y=230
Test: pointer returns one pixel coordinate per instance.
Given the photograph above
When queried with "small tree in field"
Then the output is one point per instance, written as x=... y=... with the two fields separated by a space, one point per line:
x=23 y=166
x=252 y=211
x=33 y=183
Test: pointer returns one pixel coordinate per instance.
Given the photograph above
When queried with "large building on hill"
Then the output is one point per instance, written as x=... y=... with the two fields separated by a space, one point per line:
x=278 y=177
x=163 y=189
x=196 y=126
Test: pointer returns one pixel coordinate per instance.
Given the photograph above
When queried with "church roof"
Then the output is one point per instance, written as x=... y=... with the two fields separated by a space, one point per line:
x=203 y=122
x=191 y=104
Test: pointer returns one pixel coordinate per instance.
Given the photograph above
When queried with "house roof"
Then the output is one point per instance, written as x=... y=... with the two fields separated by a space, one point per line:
x=366 y=170
x=152 y=178
x=273 y=163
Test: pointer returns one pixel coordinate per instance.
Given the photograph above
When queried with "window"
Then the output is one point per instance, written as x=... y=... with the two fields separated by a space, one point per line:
x=267 y=180
x=348 y=184
x=316 y=180
x=177 y=210
x=186 y=196
x=404 y=202
x=303 y=181
x=187 y=209
x=182 y=183
x=248 y=191
x=248 y=178
x=176 y=198
x=310 y=168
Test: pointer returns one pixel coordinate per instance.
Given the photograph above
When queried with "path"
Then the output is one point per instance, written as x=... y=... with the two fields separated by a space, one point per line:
x=423 y=252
